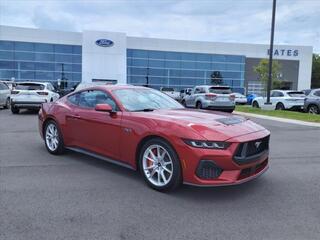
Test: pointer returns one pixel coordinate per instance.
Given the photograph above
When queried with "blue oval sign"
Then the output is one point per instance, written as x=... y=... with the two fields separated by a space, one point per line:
x=104 y=43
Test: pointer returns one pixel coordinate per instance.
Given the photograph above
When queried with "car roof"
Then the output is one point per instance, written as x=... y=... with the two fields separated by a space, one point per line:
x=114 y=87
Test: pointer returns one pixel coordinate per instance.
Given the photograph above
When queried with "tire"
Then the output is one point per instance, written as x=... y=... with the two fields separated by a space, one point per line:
x=313 y=109
x=7 y=106
x=162 y=174
x=184 y=103
x=229 y=110
x=53 y=138
x=255 y=104
x=14 y=109
x=280 y=106
x=199 y=105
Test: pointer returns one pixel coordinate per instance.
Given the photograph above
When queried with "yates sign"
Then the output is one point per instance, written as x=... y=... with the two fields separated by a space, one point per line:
x=104 y=43
x=285 y=52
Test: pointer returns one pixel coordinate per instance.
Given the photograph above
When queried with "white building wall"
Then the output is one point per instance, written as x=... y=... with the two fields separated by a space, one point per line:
x=110 y=62
x=104 y=62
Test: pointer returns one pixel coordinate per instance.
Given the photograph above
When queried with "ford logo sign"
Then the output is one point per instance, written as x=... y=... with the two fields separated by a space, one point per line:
x=104 y=43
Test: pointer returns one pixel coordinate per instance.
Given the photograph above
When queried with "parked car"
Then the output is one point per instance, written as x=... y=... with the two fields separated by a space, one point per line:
x=306 y=91
x=4 y=95
x=30 y=95
x=144 y=129
x=170 y=92
x=10 y=84
x=252 y=96
x=312 y=102
x=240 y=98
x=183 y=93
x=283 y=99
x=210 y=97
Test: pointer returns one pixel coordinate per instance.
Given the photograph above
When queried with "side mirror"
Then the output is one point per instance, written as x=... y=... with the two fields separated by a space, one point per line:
x=103 y=108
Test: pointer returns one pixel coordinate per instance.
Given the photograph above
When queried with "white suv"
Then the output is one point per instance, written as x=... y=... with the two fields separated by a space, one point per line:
x=30 y=95
x=283 y=99
x=4 y=95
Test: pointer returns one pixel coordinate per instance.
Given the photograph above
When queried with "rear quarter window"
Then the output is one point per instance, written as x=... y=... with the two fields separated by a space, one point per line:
x=296 y=94
x=74 y=99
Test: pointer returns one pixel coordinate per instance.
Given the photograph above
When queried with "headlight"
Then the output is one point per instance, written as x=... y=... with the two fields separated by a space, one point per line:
x=207 y=144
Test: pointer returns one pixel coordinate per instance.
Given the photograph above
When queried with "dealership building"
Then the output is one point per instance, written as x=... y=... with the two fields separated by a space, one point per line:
x=28 y=54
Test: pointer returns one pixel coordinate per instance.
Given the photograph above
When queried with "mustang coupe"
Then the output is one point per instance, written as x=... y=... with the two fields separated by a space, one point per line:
x=146 y=130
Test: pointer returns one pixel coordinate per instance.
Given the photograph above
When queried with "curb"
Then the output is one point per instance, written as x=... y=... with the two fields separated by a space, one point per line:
x=284 y=120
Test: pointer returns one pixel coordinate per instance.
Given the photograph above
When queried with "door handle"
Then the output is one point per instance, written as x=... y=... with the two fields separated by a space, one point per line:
x=75 y=116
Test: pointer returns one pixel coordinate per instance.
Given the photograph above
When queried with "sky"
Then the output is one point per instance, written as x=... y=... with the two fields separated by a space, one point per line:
x=244 y=21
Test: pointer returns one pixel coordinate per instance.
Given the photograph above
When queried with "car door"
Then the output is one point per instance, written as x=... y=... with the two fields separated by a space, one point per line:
x=98 y=132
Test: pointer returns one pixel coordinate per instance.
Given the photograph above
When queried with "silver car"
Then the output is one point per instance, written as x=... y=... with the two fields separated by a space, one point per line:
x=4 y=95
x=210 y=97
x=312 y=102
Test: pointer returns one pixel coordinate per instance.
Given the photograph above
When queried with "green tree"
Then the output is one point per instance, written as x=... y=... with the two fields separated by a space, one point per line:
x=315 y=79
x=262 y=69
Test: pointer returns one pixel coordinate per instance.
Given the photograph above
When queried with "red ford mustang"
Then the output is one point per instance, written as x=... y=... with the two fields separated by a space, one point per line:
x=141 y=128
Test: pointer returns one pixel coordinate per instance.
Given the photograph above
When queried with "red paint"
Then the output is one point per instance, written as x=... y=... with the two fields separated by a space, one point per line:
x=117 y=135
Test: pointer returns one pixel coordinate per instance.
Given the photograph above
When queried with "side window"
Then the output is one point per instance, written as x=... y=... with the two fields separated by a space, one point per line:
x=196 y=90
x=74 y=99
x=280 y=94
x=89 y=99
x=273 y=94
x=1 y=86
x=317 y=93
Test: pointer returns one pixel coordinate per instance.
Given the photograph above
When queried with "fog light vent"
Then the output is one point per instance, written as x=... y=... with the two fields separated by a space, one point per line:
x=207 y=169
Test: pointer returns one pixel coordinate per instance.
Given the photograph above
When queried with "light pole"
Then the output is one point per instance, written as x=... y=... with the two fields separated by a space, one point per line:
x=271 y=51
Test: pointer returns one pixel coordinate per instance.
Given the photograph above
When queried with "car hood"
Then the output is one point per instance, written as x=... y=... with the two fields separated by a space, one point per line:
x=211 y=125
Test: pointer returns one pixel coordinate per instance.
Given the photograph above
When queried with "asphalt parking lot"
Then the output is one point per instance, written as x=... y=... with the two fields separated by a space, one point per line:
x=78 y=197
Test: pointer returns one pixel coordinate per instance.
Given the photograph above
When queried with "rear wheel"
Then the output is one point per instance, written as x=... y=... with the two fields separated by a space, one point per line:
x=7 y=106
x=53 y=138
x=184 y=103
x=14 y=109
x=255 y=104
x=199 y=105
x=280 y=106
x=160 y=165
x=313 y=109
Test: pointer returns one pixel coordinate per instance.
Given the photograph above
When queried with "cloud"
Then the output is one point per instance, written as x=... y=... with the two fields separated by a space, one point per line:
x=207 y=20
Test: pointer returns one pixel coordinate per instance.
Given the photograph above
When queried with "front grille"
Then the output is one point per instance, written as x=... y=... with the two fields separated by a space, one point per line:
x=250 y=151
x=248 y=172
x=208 y=170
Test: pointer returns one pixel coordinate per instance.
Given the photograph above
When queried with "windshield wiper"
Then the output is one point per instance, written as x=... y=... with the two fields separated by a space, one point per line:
x=145 y=110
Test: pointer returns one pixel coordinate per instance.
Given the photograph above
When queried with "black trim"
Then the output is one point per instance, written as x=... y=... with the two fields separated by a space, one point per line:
x=208 y=170
x=98 y=156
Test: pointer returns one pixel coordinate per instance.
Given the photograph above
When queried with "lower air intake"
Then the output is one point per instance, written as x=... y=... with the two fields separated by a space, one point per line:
x=207 y=169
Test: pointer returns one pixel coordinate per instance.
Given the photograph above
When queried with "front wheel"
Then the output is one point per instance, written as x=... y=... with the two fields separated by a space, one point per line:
x=14 y=109
x=313 y=109
x=199 y=105
x=255 y=104
x=280 y=106
x=160 y=165
x=53 y=138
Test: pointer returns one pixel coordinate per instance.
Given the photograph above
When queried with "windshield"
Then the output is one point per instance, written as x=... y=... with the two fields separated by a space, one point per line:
x=145 y=99
x=29 y=86
x=220 y=90
x=296 y=94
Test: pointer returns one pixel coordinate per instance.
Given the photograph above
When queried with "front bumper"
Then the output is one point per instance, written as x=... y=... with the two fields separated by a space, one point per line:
x=231 y=173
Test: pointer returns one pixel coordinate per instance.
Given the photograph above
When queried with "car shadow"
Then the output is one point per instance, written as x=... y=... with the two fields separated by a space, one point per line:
x=186 y=192
x=28 y=112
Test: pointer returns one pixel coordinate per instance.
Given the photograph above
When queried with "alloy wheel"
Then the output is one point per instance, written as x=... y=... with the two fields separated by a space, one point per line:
x=157 y=165
x=313 y=109
x=52 y=137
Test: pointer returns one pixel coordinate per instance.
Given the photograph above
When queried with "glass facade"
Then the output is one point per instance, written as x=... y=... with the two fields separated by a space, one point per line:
x=27 y=61
x=183 y=70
